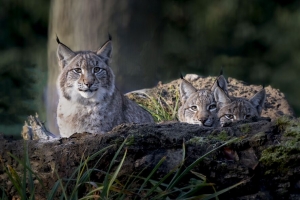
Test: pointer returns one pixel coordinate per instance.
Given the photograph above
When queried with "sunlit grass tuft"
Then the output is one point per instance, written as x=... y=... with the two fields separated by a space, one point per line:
x=161 y=107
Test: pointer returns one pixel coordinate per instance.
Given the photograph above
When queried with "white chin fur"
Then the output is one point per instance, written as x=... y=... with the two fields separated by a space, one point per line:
x=87 y=95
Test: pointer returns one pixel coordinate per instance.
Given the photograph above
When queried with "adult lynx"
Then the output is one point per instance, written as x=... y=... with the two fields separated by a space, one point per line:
x=88 y=98
x=199 y=106
x=237 y=108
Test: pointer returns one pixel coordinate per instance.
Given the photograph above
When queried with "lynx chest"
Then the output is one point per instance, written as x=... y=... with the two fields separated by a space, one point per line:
x=77 y=118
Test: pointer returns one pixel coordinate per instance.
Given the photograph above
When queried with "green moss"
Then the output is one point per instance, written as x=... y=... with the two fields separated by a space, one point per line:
x=279 y=156
x=289 y=147
x=259 y=135
x=223 y=135
x=291 y=134
x=292 y=131
x=245 y=128
x=197 y=140
x=283 y=122
x=258 y=139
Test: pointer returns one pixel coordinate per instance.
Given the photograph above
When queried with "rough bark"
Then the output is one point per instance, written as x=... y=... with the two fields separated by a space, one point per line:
x=262 y=155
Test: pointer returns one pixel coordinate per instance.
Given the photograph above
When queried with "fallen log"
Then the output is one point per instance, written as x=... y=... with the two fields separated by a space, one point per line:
x=265 y=155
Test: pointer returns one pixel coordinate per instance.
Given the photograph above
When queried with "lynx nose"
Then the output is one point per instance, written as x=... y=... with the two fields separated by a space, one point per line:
x=202 y=120
x=88 y=83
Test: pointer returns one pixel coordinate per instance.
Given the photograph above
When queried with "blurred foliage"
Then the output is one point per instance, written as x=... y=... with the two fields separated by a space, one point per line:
x=255 y=41
x=23 y=75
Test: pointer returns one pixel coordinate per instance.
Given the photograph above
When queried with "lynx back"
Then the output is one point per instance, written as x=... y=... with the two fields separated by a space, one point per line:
x=88 y=98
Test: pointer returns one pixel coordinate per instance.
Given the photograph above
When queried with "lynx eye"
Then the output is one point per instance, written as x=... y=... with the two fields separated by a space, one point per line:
x=193 y=108
x=77 y=70
x=212 y=107
x=97 y=69
x=228 y=116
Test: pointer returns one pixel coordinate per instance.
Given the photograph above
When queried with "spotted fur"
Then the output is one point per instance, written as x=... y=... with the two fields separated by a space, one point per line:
x=88 y=98
x=237 y=108
x=199 y=106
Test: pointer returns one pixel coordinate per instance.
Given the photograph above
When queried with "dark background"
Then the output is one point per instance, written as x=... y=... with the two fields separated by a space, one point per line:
x=255 y=41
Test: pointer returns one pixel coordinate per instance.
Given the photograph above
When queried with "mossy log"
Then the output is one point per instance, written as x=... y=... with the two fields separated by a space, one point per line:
x=265 y=155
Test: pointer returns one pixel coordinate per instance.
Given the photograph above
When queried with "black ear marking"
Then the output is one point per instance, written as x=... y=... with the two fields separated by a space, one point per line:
x=181 y=75
x=221 y=71
x=57 y=40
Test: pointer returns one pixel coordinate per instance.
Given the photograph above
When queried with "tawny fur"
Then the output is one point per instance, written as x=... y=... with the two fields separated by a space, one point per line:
x=237 y=108
x=199 y=106
x=88 y=98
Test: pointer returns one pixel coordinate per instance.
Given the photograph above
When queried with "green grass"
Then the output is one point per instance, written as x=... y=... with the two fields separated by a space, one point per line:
x=24 y=184
x=161 y=108
x=113 y=186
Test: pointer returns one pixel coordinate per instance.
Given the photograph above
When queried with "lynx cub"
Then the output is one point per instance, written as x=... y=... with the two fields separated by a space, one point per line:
x=238 y=108
x=199 y=106
x=88 y=98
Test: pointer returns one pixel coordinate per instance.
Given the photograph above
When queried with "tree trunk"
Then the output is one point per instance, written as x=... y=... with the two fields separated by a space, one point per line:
x=83 y=25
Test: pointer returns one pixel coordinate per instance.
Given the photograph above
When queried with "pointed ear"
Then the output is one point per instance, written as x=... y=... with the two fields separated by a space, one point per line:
x=221 y=96
x=221 y=83
x=64 y=54
x=258 y=100
x=186 y=89
x=105 y=51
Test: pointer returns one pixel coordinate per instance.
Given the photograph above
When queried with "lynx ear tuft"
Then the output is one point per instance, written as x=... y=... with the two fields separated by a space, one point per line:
x=57 y=40
x=109 y=37
x=64 y=54
x=181 y=76
x=221 y=71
